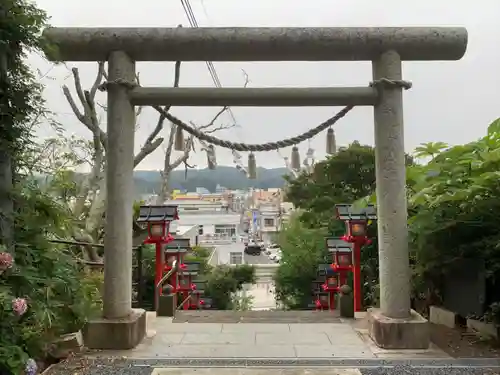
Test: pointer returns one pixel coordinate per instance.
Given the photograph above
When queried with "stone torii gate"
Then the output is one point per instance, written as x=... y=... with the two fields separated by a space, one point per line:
x=394 y=325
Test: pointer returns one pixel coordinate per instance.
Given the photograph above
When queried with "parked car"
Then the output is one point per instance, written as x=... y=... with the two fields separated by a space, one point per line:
x=252 y=248
x=271 y=248
x=275 y=254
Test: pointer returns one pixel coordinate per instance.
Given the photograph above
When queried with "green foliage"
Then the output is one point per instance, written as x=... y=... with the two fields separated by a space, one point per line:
x=342 y=178
x=345 y=177
x=148 y=276
x=45 y=293
x=242 y=303
x=20 y=94
x=200 y=254
x=302 y=250
x=47 y=277
x=453 y=204
x=226 y=280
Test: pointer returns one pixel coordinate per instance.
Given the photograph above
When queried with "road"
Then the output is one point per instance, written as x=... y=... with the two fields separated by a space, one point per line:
x=224 y=250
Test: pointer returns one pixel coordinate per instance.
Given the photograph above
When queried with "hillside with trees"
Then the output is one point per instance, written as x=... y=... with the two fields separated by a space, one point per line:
x=229 y=177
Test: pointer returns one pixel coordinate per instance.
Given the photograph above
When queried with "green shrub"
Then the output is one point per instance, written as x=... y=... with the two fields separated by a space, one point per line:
x=302 y=250
x=41 y=291
x=225 y=280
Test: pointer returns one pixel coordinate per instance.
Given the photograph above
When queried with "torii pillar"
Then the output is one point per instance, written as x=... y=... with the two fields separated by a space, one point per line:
x=394 y=325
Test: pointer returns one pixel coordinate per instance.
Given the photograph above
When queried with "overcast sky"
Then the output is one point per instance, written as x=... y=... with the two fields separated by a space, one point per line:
x=451 y=101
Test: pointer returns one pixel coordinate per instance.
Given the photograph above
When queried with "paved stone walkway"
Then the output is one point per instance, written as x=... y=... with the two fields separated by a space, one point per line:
x=247 y=335
x=285 y=347
x=262 y=295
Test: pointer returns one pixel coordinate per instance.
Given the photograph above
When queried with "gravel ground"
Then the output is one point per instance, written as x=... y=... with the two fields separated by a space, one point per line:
x=398 y=370
x=274 y=366
x=459 y=344
x=104 y=371
x=401 y=370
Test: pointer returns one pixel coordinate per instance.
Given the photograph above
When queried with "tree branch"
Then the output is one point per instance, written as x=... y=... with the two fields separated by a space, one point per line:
x=152 y=143
x=87 y=100
x=207 y=128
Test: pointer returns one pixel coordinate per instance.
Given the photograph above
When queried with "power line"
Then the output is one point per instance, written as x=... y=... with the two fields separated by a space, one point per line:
x=188 y=9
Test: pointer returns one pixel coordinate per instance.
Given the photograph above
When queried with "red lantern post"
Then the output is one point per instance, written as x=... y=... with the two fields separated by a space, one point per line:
x=176 y=250
x=158 y=219
x=356 y=233
x=341 y=263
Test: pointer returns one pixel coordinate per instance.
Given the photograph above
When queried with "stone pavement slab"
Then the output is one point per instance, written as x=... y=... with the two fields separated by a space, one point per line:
x=256 y=327
x=311 y=338
x=242 y=338
x=162 y=327
x=323 y=341
x=247 y=340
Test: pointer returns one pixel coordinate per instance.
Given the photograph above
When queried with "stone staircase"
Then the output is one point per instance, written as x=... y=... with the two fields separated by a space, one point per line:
x=256 y=317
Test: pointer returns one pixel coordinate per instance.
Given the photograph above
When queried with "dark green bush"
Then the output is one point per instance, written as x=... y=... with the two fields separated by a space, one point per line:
x=225 y=280
x=42 y=294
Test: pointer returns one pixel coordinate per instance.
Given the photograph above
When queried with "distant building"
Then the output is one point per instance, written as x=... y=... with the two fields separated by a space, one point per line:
x=195 y=206
x=220 y=189
x=202 y=190
x=269 y=220
x=211 y=217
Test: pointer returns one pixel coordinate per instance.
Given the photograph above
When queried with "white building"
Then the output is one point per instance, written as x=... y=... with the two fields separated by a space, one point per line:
x=212 y=223
x=198 y=205
x=270 y=220
x=186 y=231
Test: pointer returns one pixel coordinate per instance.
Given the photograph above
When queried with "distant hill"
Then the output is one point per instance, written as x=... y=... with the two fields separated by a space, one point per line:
x=149 y=181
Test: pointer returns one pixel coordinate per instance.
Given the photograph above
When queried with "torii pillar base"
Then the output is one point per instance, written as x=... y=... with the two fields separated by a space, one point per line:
x=389 y=333
x=116 y=334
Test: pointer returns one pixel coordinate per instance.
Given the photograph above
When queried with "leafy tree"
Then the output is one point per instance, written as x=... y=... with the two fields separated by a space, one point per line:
x=429 y=149
x=43 y=290
x=345 y=177
x=20 y=96
x=302 y=250
x=342 y=178
x=224 y=281
x=453 y=211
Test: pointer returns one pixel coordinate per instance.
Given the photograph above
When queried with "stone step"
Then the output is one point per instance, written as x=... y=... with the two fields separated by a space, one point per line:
x=261 y=316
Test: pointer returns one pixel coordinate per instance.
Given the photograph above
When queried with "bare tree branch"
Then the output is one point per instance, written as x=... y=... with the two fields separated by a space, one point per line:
x=152 y=143
x=98 y=79
x=207 y=128
x=147 y=149
x=247 y=79
x=89 y=115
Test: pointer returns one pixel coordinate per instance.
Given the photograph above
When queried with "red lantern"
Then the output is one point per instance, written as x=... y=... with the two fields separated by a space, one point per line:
x=343 y=259
x=332 y=282
x=357 y=228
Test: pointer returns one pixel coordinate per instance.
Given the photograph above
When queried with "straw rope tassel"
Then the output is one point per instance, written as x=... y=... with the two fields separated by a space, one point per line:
x=179 y=143
x=331 y=144
x=295 y=159
x=252 y=166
